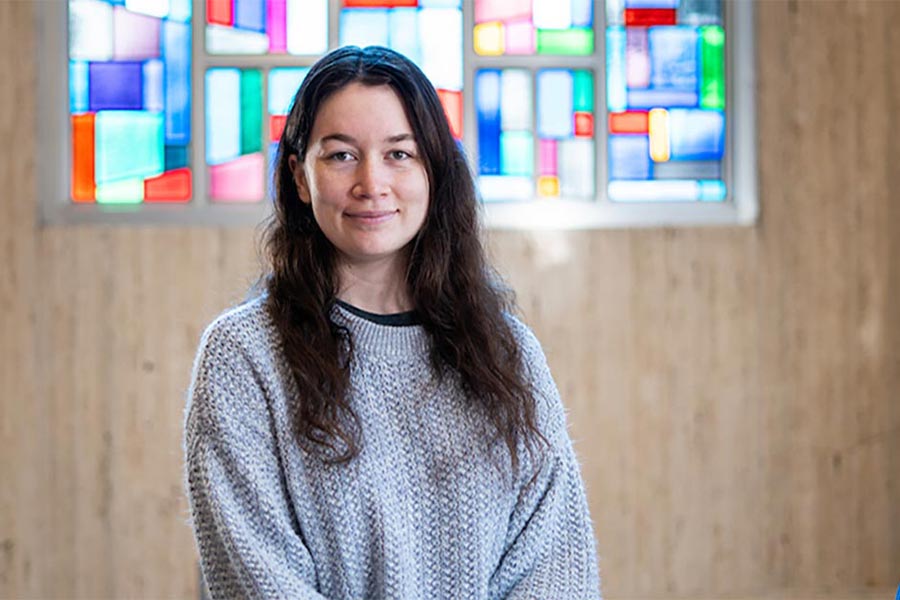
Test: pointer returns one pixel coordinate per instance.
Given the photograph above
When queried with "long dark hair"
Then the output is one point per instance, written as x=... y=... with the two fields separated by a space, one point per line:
x=458 y=298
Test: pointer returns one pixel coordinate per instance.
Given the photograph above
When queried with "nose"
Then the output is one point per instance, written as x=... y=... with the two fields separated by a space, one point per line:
x=372 y=179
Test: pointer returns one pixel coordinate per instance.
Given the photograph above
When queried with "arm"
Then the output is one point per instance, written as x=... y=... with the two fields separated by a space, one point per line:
x=549 y=549
x=247 y=535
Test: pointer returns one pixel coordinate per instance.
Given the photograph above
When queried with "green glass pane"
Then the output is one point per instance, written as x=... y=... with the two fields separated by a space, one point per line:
x=712 y=59
x=584 y=91
x=128 y=145
x=251 y=111
x=573 y=42
x=128 y=191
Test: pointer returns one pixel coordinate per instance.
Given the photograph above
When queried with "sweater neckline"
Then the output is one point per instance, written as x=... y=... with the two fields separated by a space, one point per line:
x=375 y=338
x=400 y=319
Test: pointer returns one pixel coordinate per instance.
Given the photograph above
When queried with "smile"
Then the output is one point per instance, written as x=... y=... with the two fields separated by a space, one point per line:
x=371 y=217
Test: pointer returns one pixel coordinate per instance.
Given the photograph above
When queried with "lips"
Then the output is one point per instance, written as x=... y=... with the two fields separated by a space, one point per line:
x=371 y=216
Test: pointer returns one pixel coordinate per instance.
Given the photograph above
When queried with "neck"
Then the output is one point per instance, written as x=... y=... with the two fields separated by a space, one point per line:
x=378 y=287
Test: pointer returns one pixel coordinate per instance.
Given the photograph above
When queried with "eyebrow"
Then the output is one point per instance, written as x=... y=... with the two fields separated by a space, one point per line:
x=342 y=137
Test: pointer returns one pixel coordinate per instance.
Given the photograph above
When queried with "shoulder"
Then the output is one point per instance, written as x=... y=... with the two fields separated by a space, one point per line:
x=236 y=342
x=229 y=369
x=551 y=415
x=237 y=325
x=524 y=336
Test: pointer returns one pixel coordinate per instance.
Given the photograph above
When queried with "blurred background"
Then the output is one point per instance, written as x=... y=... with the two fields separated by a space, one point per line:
x=733 y=392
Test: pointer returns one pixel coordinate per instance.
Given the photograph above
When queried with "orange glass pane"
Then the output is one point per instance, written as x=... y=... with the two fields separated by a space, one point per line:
x=628 y=122
x=220 y=12
x=83 y=184
x=548 y=185
x=171 y=186
x=276 y=127
x=453 y=107
x=584 y=124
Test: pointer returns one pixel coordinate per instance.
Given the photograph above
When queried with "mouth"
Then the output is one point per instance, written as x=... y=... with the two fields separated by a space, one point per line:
x=371 y=217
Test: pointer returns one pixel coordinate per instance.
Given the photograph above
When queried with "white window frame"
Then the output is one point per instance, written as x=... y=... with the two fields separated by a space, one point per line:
x=740 y=207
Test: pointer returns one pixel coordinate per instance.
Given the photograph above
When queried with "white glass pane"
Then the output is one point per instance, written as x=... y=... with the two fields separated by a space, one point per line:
x=515 y=99
x=307 y=26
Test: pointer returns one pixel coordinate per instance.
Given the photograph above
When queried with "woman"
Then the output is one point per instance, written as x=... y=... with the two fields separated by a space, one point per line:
x=375 y=424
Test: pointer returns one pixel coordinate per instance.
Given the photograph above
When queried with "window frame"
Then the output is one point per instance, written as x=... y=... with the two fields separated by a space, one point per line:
x=740 y=167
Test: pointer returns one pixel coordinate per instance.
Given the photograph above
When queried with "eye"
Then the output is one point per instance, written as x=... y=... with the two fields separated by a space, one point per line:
x=400 y=154
x=340 y=156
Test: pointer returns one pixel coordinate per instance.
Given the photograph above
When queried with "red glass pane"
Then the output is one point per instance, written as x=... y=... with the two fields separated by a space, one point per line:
x=648 y=17
x=83 y=184
x=584 y=124
x=379 y=3
x=171 y=186
x=219 y=12
x=276 y=126
x=453 y=107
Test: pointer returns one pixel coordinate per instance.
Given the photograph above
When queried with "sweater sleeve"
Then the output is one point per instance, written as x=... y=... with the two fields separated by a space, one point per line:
x=246 y=532
x=549 y=550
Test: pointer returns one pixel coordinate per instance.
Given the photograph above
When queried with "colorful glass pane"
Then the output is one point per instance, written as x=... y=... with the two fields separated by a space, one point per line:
x=560 y=151
x=298 y=27
x=130 y=100
x=528 y=27
x=234 y=135
x=665 y=85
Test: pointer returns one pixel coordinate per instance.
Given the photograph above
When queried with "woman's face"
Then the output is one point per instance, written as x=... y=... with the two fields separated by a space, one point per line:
x=363 y=175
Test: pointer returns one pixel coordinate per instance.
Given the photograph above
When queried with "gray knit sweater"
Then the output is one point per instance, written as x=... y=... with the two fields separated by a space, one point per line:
x=427 y=510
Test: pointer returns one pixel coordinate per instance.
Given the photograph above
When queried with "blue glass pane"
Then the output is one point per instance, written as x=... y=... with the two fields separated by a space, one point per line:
x=116 y=86
x=673 y=57
x=154 y=93
x=176 y=54
x=696 y=134
x=582 y=13
x=283 y=86
x=180 y=10
x=364 y=27
x=555 y=117
x=271 y=156
x=487 y=105
x=700 y=12
x=250 y=14
x=78 y=86
x=404 y=32
x=176 y=157
x=652 y=3
x=712 y=191
x=665 y=98
x=616 y=95
x=629 y=157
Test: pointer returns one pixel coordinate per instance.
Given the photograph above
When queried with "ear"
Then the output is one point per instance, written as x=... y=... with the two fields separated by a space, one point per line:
x=299 y=178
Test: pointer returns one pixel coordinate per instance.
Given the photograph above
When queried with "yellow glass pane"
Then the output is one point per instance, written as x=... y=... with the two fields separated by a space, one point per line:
x=489 y=39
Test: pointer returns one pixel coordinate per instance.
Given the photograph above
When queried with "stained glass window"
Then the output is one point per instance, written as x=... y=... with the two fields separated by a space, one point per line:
x=554 y=104
x=665 y=95
x=130 y=101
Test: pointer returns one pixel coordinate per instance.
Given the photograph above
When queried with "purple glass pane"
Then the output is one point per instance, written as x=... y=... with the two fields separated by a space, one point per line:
x=116 y=86
x=136 y=36
x=250 y=14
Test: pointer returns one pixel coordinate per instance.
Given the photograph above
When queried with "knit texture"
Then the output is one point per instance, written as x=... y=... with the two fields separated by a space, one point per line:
x=429 y=509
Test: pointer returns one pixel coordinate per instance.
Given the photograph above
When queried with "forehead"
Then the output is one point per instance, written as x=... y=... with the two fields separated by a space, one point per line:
x=357 y=108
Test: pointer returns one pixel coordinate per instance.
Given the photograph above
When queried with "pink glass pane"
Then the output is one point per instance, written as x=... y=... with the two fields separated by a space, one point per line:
x=239 y=180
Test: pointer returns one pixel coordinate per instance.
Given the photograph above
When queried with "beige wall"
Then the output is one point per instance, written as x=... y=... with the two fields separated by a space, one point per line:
x=734 y=393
